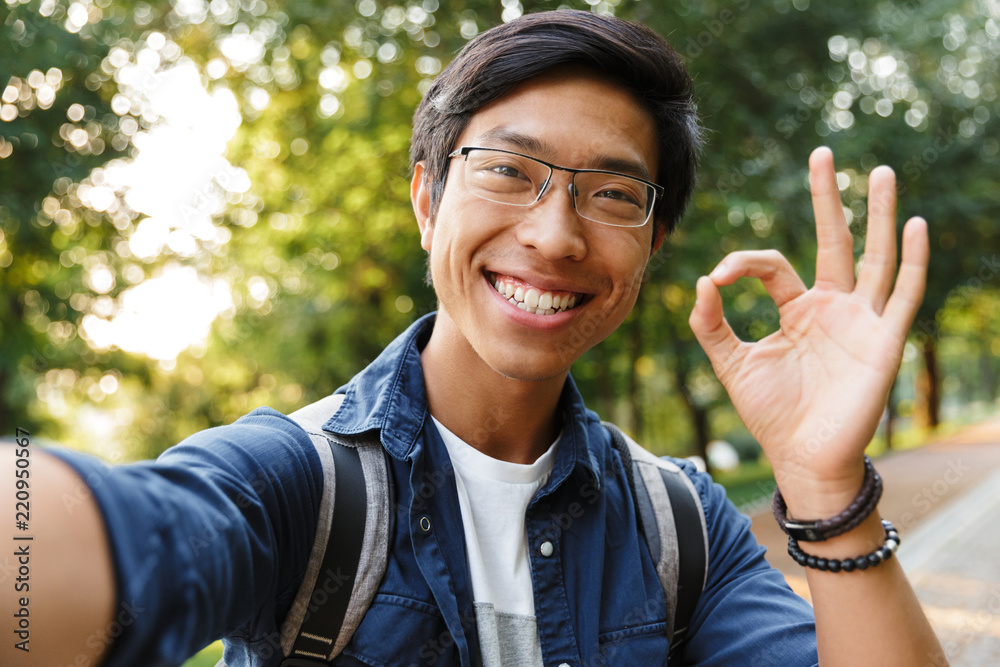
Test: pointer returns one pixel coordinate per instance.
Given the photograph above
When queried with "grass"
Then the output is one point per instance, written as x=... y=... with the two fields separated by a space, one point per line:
x=207 y=657
x=749 y=485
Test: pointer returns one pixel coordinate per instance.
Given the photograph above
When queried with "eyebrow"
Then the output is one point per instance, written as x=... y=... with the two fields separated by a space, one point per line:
x=534 y=146
x=517 y=140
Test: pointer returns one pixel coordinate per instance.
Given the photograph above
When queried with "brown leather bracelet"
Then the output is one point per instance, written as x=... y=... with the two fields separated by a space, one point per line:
x=823 y=529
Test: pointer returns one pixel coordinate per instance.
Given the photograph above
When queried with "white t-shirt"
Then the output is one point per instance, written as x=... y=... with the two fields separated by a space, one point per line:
x=493 y=496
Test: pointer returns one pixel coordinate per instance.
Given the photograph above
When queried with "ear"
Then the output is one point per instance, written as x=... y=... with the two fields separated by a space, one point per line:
x=420 y=197
x=659 y=234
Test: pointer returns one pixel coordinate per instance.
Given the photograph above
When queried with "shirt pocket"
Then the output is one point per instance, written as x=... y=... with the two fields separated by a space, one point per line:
x=400 y=632
x=645 y=645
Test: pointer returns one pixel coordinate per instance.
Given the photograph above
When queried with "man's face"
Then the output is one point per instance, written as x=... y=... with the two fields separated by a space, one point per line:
x=590 y=273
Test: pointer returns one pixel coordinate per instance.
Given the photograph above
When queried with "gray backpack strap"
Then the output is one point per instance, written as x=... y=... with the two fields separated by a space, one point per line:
x=339 y=583
x=672 y=520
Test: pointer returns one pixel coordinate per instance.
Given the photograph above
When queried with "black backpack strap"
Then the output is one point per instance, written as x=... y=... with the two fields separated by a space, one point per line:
x=320 y=627
x=350 y=550
x=672 y=521
x=689 y=522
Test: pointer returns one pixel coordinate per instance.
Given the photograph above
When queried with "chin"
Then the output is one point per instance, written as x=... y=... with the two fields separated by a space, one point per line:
x=525 y=371
x=523 y=375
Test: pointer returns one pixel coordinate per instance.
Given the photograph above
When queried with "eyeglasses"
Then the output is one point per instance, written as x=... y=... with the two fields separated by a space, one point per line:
x=602 y=196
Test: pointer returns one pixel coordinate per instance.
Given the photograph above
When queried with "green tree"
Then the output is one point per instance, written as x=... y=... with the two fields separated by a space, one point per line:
x=56 y=125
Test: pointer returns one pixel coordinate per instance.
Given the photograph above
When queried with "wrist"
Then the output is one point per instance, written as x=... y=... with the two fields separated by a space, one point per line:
x=809 y=496
x=824 y=527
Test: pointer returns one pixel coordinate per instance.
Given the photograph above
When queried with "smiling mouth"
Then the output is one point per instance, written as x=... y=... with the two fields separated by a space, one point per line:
x=531 y=299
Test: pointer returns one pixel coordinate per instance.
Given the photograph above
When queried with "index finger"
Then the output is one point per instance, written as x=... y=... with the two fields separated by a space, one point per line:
x=835 y=252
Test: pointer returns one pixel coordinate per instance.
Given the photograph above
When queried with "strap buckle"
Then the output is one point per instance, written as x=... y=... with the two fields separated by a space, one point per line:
x=804 y=531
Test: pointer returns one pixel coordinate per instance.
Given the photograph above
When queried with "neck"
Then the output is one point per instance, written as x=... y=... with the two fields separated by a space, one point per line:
x=506 y=418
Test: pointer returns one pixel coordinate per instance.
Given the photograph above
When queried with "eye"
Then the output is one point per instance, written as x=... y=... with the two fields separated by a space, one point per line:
x=620 y=194
x=507 y=170
x=498 y=173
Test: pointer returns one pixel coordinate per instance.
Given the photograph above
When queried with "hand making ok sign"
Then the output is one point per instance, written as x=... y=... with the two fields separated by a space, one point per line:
x=812 y=392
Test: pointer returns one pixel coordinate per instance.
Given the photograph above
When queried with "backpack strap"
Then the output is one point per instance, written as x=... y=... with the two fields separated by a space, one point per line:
x=339 y=583
x=673 y=522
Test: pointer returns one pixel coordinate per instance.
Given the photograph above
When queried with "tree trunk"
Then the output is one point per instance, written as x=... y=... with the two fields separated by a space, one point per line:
x=699 y=419
x=634 y=403
x=605 y=392
x=928 y=406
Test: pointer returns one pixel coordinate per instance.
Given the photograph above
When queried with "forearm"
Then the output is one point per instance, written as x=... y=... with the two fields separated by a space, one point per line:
x=57 y=591
x=871 y=616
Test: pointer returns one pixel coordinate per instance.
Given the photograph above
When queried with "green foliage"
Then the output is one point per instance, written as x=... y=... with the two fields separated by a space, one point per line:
x=970 y=331
x=56 y=127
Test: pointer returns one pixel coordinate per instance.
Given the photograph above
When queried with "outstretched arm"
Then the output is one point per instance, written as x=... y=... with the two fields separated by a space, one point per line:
x=208 y=541
x=812 y=394
x=57 y=589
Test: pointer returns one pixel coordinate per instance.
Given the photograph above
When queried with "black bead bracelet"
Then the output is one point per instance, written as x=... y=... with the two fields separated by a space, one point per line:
x=864 y=562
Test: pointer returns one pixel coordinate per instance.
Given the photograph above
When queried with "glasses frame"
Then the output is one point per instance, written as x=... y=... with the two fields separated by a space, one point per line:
x=544 y=187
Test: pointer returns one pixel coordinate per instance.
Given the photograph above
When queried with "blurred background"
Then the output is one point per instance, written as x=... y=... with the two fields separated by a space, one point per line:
x=204 y=205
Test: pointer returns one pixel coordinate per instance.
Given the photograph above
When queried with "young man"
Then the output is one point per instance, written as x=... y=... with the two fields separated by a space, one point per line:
x=550 y=158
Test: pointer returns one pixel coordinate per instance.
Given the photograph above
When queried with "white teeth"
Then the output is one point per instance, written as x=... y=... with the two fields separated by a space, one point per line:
x=533 y=300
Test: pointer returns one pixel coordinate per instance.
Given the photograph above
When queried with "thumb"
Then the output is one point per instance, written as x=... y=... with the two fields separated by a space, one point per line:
x=708 y=322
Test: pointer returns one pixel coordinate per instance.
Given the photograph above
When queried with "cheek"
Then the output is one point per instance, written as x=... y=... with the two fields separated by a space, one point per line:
x=627 y=259
x=638 y=271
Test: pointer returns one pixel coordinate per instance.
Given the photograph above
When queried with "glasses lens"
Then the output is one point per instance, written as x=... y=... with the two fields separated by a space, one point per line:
x=504 y=178
x=613 y=199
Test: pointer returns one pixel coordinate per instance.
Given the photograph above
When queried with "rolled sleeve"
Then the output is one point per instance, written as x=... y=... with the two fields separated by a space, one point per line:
x=209 y=540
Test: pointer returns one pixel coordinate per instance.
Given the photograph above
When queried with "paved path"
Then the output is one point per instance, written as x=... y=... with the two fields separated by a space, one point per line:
x=945 y=500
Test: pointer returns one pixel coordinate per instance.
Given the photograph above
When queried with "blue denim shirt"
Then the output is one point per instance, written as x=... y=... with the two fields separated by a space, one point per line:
x=212 y=539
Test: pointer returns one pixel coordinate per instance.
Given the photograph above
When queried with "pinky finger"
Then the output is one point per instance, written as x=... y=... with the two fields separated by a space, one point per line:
x=912 y=279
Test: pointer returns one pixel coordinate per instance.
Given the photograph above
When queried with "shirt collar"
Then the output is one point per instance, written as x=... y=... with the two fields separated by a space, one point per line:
x=389 y=397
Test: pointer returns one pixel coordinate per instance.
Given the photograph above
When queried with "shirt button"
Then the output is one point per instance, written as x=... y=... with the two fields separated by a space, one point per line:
x=564 y=664
x=547 y=550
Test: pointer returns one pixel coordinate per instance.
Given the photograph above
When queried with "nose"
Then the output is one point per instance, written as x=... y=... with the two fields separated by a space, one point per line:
x=552 y=226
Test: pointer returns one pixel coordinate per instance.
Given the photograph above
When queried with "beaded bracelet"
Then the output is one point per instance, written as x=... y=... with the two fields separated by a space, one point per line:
x=816 y=531
x=883 y=553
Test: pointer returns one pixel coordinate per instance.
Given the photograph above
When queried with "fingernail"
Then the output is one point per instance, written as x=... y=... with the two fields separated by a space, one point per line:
x=718 y=271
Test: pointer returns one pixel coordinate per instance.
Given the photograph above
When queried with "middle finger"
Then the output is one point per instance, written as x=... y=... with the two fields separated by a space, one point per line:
x=835 y=253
